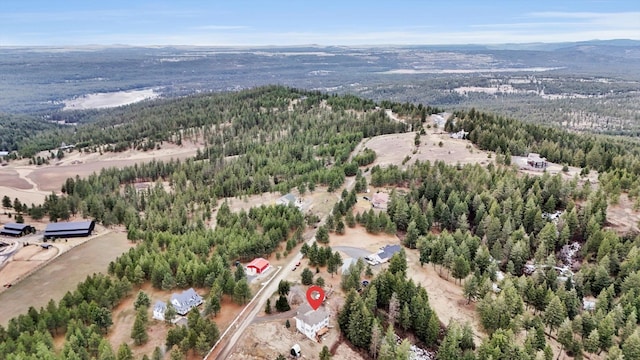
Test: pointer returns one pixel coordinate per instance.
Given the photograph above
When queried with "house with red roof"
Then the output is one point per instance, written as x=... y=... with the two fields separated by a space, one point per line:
x=258 y=266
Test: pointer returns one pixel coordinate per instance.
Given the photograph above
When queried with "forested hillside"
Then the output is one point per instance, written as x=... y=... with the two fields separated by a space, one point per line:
x=15 y=129
x=616 y=158
x=262 y=113
x=474 y=222
x=267 y=139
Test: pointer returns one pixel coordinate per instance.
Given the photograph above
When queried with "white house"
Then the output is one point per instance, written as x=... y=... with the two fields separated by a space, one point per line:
x=383 y=255
x=185 y=301
x=159 y=309
x=182 y=302
x=312 y=323
x=536 y=162
x=459 y=135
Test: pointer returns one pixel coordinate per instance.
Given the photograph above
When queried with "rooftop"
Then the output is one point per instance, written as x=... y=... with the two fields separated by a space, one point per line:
x=69 y=226
x=160 y=305
x=535 y=157
x=310 y=316
x=185 y=301
x=388 y=251
x=259 y=263
x=288 y=198
x=15 y=226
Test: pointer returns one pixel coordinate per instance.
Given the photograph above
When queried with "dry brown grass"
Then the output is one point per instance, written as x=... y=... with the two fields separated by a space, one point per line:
x=62 y=274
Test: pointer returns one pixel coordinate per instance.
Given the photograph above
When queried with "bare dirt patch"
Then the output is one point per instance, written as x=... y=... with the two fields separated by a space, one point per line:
x=12 y=271
x=23 y=262
x=28 y=196
x=51 y=177
x=359 y=237
x=445 y=297
x=392 y=149
x=621 y=216
x=10 y=178
x=124 y=315
x=34 y=252
x=62 y=274
x=269 y=339
x=31 y=183
x=228 y=312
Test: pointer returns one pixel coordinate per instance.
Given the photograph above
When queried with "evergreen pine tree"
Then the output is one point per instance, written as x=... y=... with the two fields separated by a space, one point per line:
x=325 y=354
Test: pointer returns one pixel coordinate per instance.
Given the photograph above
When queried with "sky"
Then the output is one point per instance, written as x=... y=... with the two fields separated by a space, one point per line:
x=303 y=22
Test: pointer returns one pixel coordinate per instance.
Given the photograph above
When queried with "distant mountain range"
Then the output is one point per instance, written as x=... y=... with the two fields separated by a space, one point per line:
x=38 y=80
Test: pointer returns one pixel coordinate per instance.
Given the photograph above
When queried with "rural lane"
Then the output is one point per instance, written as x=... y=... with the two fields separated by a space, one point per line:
x=243 y=320
x=258 y=304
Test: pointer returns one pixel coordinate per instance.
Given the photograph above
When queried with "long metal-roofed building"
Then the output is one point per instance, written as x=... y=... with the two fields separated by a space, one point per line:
x=13 y=229
x=69 y=229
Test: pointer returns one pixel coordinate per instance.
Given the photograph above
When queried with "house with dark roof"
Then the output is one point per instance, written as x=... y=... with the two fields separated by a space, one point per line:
x=383 y=255
x=387 y=252
x=312 y=323
x=13 y=229
x=69 y=229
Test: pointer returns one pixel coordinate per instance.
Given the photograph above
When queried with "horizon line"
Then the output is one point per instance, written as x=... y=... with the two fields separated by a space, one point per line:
x=116 y=45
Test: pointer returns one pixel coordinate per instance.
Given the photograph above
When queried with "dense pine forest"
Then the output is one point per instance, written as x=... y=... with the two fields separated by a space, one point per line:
x=16 y=129
x=490 y=227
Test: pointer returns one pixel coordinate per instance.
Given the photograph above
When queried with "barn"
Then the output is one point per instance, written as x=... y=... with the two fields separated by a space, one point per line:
x=258 y=266
x=13 y=229
x=69 y=229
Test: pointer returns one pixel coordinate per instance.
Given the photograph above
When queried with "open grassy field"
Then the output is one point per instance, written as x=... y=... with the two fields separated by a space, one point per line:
x=62 y=274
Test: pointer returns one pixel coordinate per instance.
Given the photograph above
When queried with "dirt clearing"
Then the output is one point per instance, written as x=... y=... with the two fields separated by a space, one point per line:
x=392 y=149
x=269 y=339
x=124 y=315
x=621 y=216
x=31 y=183
x=62 y=274
x=445 y=297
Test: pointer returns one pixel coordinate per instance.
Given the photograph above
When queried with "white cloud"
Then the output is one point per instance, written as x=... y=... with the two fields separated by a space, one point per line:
x=535 y=27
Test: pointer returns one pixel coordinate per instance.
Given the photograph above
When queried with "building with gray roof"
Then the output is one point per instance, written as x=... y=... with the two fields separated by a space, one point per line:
x=69 y=229
x=312 y=323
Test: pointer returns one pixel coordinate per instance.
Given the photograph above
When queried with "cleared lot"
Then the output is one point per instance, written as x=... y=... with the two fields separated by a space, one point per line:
x=62 y=274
